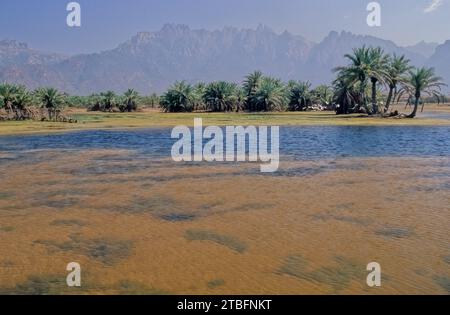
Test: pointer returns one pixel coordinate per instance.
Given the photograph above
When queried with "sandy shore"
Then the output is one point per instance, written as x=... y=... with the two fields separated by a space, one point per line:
x=156 y=119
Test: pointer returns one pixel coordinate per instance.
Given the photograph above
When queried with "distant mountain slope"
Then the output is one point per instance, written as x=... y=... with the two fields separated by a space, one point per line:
x=15 y=53
x=441 y=62
x=423 y=48
x=329 y=54
x=151 y=61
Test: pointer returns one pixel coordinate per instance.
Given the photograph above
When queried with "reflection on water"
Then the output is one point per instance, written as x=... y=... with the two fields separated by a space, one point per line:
x=141 y=224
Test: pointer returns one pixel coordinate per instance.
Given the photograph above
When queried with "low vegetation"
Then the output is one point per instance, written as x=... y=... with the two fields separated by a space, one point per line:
x=17 y=103
x=48 y=104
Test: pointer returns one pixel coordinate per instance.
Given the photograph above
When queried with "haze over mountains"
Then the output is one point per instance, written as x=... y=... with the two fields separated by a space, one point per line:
x=152 y=61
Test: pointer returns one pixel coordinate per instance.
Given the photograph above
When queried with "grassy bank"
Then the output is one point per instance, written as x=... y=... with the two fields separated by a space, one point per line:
x=153 y=119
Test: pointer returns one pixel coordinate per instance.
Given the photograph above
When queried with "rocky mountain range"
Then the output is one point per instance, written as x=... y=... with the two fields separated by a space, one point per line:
x=152 y=61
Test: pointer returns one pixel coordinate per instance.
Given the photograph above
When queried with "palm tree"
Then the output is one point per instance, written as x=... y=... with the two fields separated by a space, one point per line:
x=356 y=71
x=397 y=69
x=21 y=101
x=270 y=95
x=94 y=102
x=220 y=96
x=250 y=86
x=323 y=94
x=52 y=100
x=108 y=100
x=197 y=96
x=377 y=71
x=240 y=98
x=422 y=81
x=7 y=95
x=178 y=98
x=299 y=95
x=345 y=96
x=365 y=63
x=130 y=100
x=154 y=100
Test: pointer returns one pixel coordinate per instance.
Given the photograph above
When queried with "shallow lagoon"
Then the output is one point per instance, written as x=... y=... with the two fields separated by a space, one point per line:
x=139 y=223
x=298 y=142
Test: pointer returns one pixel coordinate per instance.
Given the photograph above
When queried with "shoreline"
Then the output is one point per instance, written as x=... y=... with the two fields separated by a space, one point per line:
x=149 y=119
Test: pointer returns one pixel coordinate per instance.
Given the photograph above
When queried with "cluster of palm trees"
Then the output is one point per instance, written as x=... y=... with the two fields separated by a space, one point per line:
x=257 y=93
x=370 y=76
x=19 y=104
x=370 y=71
x=109 y=101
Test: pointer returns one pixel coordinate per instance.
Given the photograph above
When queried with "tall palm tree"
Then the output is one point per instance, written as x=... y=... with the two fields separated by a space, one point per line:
x=422 y=81
x=52 y=100
x=270 y=95
x=220 y=96
x=356 y=71
x=377 y=71
x=396 y=73
x=130 y=100
x=365 y=64
x=299 y=95
x=178 y=98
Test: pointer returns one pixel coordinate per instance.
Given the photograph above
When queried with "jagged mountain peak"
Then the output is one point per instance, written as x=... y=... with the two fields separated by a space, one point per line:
x=151 y=61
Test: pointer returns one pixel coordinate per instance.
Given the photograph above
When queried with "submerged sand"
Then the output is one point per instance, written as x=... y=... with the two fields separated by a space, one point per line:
x=156 y=227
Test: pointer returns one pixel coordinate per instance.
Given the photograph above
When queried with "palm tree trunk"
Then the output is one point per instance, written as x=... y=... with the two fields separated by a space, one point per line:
x=416 y=106
x=19 y=114
x=362 y=93
x=8 y=108
x=389 y=99
x=374 y=97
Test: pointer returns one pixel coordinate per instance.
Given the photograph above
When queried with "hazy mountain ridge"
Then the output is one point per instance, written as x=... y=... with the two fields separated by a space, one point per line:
x=440 y=60
x=151 y=61
x=329 y=54
x=15 y=53
x=423 y=48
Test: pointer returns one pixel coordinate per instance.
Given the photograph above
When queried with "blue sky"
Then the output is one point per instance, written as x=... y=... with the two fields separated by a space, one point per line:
x=106 y=23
